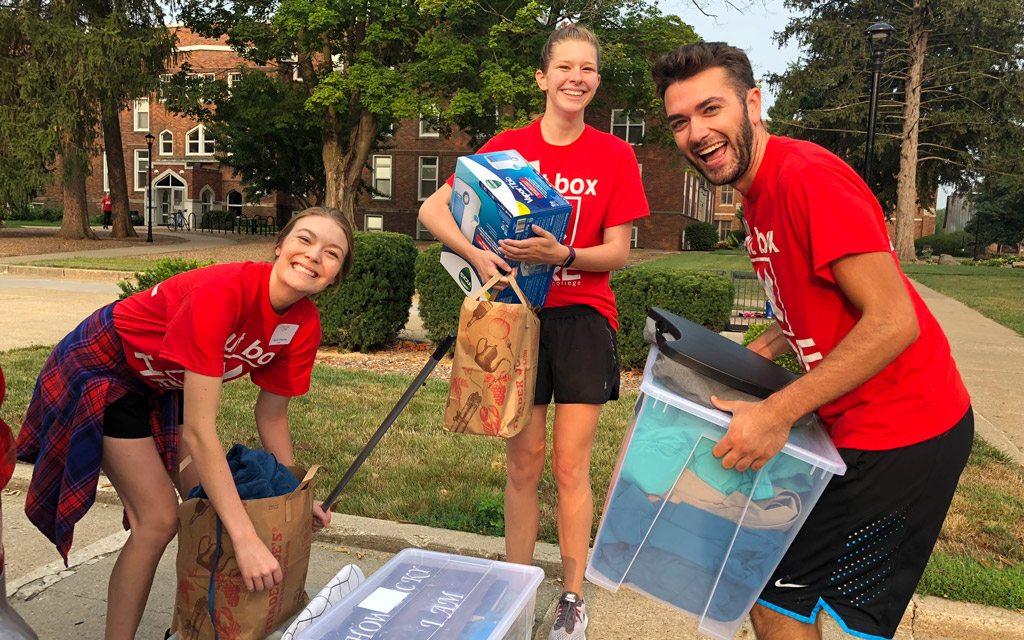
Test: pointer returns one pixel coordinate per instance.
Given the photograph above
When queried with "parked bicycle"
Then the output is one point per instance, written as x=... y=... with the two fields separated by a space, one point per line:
x=177 y=221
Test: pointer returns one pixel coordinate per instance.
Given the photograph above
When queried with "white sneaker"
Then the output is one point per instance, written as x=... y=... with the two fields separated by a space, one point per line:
x=570 y=619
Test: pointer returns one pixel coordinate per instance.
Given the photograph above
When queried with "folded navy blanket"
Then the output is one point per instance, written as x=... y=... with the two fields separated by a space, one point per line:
x=257 y=474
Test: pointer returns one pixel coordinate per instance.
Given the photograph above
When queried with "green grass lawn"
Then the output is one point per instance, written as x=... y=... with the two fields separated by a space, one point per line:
x=14 y=224
x=718 y=260
x=420 y=473
x=130 y=263
x=995 y=292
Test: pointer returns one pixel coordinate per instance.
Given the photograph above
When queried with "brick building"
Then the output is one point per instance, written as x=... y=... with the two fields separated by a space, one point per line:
x=728 y=202
x=187 y=176
x=418 y=160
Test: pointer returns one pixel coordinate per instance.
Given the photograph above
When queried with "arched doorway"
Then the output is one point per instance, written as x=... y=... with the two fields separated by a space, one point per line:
x=170 y=195
x=235 y=202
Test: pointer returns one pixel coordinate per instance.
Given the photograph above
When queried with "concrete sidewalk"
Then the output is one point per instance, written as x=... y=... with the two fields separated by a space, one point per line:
x=38 y=584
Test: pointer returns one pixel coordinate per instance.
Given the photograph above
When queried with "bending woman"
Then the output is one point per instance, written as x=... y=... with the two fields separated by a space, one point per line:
x=115 y=390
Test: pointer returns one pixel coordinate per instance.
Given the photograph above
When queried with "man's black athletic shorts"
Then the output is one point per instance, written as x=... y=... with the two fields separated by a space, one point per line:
x=864 y=546
x=578 y=359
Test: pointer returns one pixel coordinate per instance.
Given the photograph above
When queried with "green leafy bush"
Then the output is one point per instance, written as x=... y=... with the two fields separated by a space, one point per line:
x=440 y=296
x=701 y=236
x=957 y=243
x=32 y=212
x=736 y=238
x=156 y=274
x=371 y=305
x=787 y=360
x=704 y=298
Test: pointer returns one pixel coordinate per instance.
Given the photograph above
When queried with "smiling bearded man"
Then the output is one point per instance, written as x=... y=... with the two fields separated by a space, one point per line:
x=879 y=369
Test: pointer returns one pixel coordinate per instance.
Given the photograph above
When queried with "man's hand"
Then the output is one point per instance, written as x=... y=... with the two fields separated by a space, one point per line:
x=542 y=248
x=321 y=518
x=259 y=568
x=755 y=434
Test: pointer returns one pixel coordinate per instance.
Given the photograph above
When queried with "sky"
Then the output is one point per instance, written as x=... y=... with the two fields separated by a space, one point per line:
x=751 y=28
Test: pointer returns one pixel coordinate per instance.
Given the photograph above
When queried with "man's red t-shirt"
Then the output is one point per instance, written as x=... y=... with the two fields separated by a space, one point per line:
x=599 y=175
x=217 y=321
x=805 y=209
x=106 y=204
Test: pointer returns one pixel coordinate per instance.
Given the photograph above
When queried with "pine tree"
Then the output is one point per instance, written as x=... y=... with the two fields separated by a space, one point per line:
x=952 y=86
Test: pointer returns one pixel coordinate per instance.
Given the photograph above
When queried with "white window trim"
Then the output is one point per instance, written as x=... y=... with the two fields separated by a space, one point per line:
x=629 y=124
x=727 y=190
x=140 y=106
x=423 y=233
x=202 y=142
x=160 y=141
x=390 y=178
x=135 y=167
x=106 y=175
x=419 y=176
x=424 y=133
x=234 y=77
x=227 y=201
x=633 y=237
x=372 y=216
x=213 y=198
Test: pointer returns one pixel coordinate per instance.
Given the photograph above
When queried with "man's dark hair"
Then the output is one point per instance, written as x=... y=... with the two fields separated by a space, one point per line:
x=691 y=59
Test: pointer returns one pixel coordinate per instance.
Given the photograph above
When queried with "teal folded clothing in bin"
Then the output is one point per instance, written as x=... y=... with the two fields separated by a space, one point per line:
x=663 y=441
x=681 y=529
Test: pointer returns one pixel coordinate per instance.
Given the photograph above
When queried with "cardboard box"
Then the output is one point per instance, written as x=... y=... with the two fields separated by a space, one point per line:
x=496 y=196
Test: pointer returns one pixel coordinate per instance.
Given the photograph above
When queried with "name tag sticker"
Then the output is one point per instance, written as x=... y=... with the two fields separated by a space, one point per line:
x=382 y=600
x=283 y=334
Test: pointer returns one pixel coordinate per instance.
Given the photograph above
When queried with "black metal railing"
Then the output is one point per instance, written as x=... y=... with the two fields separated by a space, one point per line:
x=252 y=225
x=750 y=306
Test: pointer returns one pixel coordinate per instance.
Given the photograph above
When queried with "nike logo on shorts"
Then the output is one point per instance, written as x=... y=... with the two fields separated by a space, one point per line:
x=786 y=585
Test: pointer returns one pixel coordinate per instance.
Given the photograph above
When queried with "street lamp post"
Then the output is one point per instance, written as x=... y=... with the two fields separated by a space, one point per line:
x=149 y=188
x=878 y=41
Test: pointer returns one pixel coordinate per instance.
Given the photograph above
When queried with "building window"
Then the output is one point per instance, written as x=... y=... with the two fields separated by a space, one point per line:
x=206 y=77
x=205 y=200
x=233 y=79
x=632 y=237
x=373 y=223
x=166 y=143
x=429 y=125
x=422 y=233
x=640 y=168
x=629 y=128
x=141 y=168
x=428 y=176
x=198 y=142
x=703 y=212
x=142 y=114
x=165 y=79
x=727 y=194
x=724 y=227
x=235 y=203
x=382 y=177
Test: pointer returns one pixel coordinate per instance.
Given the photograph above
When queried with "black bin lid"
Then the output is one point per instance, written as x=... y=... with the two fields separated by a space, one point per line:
x=717 y=357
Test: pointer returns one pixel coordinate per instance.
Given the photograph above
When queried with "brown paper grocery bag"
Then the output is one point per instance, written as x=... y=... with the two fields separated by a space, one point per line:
x=284 y=524
x=495 y=367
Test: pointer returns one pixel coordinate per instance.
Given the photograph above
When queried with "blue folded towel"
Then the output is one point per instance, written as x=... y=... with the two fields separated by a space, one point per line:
x=257 y=474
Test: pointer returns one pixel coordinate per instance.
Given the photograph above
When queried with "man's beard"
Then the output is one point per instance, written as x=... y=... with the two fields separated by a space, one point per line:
x=744 y=148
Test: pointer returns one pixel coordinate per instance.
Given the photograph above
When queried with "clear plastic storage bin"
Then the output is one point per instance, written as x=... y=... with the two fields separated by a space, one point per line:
x=421 y=595
x=681 y=529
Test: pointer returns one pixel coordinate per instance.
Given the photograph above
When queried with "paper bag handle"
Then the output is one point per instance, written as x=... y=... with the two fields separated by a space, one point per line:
x=494 y=280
